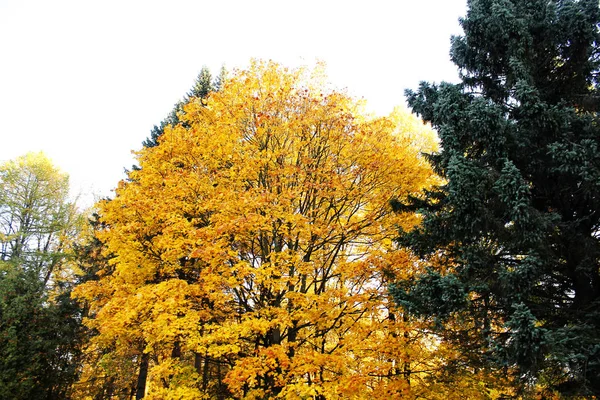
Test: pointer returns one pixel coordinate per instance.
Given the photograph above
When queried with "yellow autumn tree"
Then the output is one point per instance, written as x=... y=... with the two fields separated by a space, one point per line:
x=250 y=254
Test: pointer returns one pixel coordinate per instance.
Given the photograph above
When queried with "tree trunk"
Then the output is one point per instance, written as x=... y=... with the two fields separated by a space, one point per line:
x=140 y=389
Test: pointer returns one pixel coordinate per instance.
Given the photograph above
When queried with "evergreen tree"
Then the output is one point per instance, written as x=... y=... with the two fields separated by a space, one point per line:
x=203 y=86
x=510 y=242
x=220 y=79
x=39 y=339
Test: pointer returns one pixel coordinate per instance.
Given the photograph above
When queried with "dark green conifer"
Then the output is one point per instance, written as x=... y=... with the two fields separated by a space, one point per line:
x=516 y=226
x=203 y=86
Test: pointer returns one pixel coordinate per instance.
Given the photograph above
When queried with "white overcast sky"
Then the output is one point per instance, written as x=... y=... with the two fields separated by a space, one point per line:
x=85 y=81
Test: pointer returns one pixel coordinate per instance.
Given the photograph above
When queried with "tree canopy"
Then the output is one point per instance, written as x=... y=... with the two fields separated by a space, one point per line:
x=39 y=323
x=509 y=242
x=250 y=253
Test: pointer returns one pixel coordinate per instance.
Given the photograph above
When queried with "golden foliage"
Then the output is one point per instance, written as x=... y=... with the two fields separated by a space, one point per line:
x=250 y=253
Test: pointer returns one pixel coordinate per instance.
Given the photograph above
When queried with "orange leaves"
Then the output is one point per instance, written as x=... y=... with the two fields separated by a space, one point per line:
x=257 y=235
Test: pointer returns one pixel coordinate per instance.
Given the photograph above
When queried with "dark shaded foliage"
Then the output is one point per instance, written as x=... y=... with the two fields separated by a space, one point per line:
x=517 y=225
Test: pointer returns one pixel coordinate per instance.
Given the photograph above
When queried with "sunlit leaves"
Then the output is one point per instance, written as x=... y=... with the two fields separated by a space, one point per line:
x=250 y=253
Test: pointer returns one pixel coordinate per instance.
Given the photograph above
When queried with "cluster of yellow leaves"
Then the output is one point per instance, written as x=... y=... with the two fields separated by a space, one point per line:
x=250 y=253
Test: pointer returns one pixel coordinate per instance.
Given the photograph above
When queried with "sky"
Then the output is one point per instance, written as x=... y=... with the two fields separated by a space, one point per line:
x=85 y=81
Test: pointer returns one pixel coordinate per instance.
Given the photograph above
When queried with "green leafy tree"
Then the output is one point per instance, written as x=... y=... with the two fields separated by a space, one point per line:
x=510 y=242
x=36 y=218
x=39 y=323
